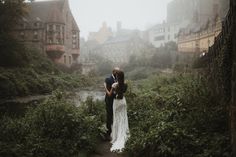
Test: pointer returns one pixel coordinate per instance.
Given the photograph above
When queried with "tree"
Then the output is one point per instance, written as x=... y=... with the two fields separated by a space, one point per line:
x=11 y=13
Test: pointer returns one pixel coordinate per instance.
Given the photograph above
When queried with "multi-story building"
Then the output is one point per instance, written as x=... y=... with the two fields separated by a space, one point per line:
x=178 y=17
x=161 y=34
x=51 y=28
x=204 y=9
x=102 y=35
x=199 y=41
x=198 y=36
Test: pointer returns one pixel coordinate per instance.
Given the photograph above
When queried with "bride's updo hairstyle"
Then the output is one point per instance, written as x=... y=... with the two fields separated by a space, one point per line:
x=122 y=87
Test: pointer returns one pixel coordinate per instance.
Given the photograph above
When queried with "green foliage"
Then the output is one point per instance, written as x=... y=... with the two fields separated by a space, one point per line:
x=38 y=76
x=11 y=11
x=218 y=69
x=144 y=65
x=12 y=53
x=27 y=81
x=177 y=116
x=54 y=128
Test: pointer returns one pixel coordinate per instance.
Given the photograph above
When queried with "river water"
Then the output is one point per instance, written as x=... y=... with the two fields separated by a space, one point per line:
x=19 y=105
x=81 y=96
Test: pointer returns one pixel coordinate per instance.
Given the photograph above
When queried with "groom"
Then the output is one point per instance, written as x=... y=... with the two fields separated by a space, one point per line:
x=109 y=101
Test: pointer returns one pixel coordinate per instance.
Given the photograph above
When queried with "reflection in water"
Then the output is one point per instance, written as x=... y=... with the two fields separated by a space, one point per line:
x=18 y=106
x=81 y=96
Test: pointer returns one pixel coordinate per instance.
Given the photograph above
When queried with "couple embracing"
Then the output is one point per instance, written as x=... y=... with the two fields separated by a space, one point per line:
x=116 y=107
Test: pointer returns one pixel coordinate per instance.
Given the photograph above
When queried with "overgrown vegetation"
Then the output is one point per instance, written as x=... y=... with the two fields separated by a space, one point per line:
x=39 y=76
x=159 y=58
x=54 y=128
x=177 y=116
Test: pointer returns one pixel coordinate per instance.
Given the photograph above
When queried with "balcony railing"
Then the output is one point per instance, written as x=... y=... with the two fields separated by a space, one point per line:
x=59 y=48
x=55 y=51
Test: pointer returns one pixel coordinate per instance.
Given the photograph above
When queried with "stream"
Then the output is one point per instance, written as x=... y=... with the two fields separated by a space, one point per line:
x=82 y=95
x=20 y=104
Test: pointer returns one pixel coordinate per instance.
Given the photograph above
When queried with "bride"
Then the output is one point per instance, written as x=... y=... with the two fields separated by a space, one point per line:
x=120 y=127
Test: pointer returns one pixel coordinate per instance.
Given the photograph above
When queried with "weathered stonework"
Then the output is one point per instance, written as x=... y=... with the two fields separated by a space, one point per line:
x=224 y=49
x=51 y=28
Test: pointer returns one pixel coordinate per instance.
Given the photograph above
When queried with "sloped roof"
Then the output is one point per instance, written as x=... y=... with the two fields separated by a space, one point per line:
x=74 y=25
x=46 y=11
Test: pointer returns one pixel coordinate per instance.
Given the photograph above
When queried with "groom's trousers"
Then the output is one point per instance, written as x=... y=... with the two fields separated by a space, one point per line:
x=109 y=110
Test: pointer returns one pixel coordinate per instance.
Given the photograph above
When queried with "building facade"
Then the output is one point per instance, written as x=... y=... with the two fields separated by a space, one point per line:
x=51 y=28
x=200 y=41
x=102 y=35
x=205 y=26
x=163 y=33
x=204 y=9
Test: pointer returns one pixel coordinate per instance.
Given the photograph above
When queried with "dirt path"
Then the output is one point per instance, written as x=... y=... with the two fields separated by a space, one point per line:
x=103 y=150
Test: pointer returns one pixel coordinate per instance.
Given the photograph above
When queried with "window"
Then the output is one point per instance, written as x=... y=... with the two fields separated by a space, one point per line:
x=158 y=38
x=70 y=60
x=50 y=27
x=176 y=35
x=58 y=28
x=58 y=40
x=168 y=37
x=65 y=59
x=36 y=24
x=197 y=44
x=35 y=35
x=50 y=40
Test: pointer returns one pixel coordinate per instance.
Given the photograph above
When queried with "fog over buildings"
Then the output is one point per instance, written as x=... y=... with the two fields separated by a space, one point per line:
x=134 y=14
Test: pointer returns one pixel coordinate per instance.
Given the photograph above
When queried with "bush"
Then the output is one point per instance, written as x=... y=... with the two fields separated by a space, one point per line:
x=26 y=81
x=54 y=128
x=177 y=116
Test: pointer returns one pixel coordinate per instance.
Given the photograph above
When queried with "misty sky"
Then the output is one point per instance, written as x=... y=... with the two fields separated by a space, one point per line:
x=134 y=14
x=139 y=14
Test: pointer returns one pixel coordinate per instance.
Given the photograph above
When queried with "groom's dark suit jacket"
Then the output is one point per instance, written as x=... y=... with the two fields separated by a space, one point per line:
x=109 y=103
x=109 y=81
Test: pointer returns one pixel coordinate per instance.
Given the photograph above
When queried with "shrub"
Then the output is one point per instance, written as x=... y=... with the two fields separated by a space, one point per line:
x=177 y=116
x=54 y=128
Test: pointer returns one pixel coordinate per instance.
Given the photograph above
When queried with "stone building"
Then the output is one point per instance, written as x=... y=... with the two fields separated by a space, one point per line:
x=102 y=35
x=51 y=28
x=161 y=34
x=204 y=9
x=204 y=27
x=196 y=39
x=119 y=48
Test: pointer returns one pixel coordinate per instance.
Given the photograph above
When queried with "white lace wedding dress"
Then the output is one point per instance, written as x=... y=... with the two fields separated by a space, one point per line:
x=120 y=127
